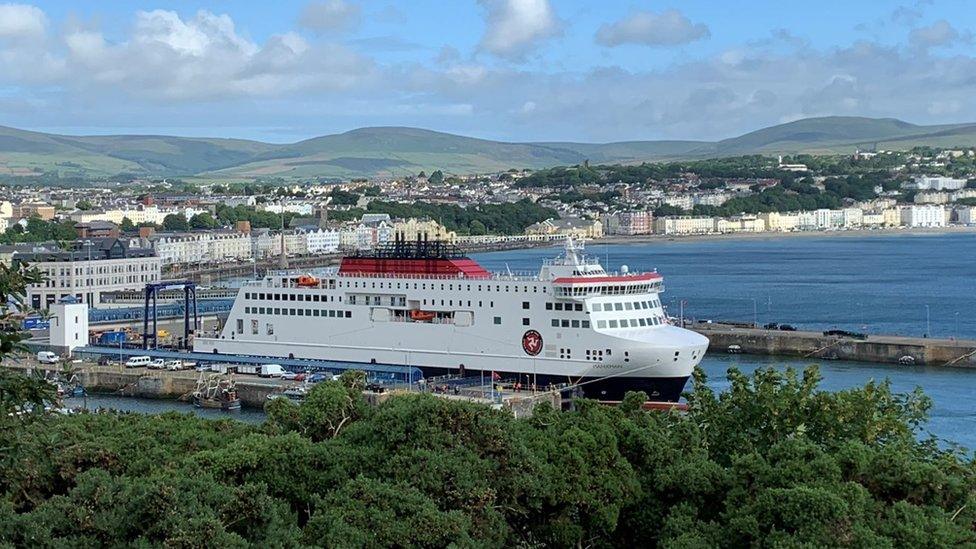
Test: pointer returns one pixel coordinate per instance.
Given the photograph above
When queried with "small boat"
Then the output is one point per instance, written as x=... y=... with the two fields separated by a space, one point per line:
x=213 y=392
x=295 y=394
x=734 y=349
x=906 y=360
x=421 y=316
x=308 y=281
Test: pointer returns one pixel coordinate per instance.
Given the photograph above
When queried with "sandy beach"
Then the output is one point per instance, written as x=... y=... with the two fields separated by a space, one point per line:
x=856 y=233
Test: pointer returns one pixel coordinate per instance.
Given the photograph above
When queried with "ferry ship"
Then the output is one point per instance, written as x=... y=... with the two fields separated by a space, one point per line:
x=424 y=304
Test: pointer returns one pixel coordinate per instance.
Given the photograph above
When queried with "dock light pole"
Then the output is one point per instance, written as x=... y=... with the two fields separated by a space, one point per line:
x=956 y=330
x=755 y=312
x=928 y=323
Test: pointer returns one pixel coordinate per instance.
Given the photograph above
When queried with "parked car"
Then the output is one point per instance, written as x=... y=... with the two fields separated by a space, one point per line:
x=173 y=365
x=138 y=361
x=104 y=360
x=771 y=326
x=47 y=357
x=787 y=328
x=156 y=364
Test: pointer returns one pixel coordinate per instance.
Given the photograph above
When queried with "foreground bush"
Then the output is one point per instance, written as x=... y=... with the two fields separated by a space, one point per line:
x=773 y=461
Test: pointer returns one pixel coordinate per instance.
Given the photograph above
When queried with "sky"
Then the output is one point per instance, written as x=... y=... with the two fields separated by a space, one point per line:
x=512 y=70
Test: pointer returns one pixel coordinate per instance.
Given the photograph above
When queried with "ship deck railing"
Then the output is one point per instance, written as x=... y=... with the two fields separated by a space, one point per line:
x=290 y=280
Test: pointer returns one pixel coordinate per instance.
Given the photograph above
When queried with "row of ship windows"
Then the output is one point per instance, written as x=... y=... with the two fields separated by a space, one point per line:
x=626 y=306
x=330 y=313
x=291 y=297
x=563 y=323
x=630 y=322
x=629 y=289
x=446 y=287
x=558 y=306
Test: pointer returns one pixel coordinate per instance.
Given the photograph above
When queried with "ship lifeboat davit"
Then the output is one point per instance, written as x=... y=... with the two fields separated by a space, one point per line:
x=421 y=316
x=307 y=281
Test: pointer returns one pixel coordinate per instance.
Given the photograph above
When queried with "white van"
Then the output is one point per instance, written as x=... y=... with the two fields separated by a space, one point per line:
x=271 y=370
x=47 y=357
x=156 y=364
x=138 y=361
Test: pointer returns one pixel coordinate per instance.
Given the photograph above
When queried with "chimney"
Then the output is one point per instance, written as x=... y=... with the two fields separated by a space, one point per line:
x=146 y=232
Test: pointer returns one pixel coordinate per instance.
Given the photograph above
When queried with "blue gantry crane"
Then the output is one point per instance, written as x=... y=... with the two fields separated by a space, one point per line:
x=189 y=296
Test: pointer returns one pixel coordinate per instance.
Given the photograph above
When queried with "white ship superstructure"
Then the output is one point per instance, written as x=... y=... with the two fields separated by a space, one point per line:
x=424 y=304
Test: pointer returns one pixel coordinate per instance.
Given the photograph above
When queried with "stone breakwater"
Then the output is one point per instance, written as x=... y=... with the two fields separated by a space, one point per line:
x=958 y=353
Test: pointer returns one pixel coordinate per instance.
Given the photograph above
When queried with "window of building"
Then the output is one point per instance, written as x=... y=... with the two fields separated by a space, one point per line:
x=586 y=324
x=525 y=322
x=498 y=320
x=555 y=323
x=613 y=323
x=525 y=304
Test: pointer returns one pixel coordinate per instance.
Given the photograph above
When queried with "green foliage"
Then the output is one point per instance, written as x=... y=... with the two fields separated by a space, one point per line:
x=507 y=218
x=227 y=215
x=436 y=177
x=38 y=230
x=341 y=197
x=84 y=205
x=176 y=222
x=772 y=461
x=203 y=220
x=127 y=226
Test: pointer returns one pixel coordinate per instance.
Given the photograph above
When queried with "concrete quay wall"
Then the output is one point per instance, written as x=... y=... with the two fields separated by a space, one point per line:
x=815 y=345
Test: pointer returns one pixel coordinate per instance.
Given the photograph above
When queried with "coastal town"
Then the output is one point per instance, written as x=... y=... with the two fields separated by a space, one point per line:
x=142 y=231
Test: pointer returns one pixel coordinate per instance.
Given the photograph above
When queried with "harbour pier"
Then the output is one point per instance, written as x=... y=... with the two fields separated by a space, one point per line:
x=884 y=349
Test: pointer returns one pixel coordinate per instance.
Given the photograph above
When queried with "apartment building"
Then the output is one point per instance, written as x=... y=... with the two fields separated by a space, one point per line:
x=87 y=268
x=923 y=216
x=197 y=247
x=684 y=224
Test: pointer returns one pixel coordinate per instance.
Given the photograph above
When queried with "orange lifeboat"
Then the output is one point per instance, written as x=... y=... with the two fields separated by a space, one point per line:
x=307 y=281
x=421 y=316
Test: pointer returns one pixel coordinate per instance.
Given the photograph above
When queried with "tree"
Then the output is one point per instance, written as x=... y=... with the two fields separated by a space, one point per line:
x=175 y=222
x=436 y=177
x=477 y=228
x=203 y=220
x=127 y=226
x=84 y=205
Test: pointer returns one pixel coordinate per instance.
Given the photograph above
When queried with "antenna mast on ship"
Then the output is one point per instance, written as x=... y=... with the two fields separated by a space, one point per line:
x=283 y=258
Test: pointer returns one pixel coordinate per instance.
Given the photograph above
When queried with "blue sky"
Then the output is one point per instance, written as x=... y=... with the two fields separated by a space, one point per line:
x=514 y=70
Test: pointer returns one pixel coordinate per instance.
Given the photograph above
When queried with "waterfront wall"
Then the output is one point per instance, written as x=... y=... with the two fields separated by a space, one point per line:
x=878 y=349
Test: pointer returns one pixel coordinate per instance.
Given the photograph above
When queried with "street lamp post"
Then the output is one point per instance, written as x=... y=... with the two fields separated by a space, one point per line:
x=755 y=313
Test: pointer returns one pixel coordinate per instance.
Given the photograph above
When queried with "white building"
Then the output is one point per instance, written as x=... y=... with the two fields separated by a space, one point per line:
x=199 y=247
x=966 y=215
x=684 y=225
x=923 y=216
x=87 y=268
x=935 y=183
x=321 y=241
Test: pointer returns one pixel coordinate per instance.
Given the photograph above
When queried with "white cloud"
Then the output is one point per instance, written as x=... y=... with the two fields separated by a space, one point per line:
x=668 y=28
x=939 y=33
x=21 y=21
x=330 y=16
x=515 y=26
x=177 y=71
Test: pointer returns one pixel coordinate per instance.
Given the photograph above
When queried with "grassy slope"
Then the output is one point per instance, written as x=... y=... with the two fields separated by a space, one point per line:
x=397 y=151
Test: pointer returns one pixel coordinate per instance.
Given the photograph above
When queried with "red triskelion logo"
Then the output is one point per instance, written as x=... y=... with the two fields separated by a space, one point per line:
x=532 y=342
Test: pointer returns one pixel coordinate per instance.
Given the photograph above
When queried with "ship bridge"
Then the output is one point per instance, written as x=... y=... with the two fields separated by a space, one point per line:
x=574 y=275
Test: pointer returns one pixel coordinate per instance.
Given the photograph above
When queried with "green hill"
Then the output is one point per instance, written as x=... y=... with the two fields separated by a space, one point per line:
x=385 y=151
x=840 y=134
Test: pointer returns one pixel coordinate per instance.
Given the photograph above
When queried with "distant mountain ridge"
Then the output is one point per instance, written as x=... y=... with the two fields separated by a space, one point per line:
x=384 y=151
